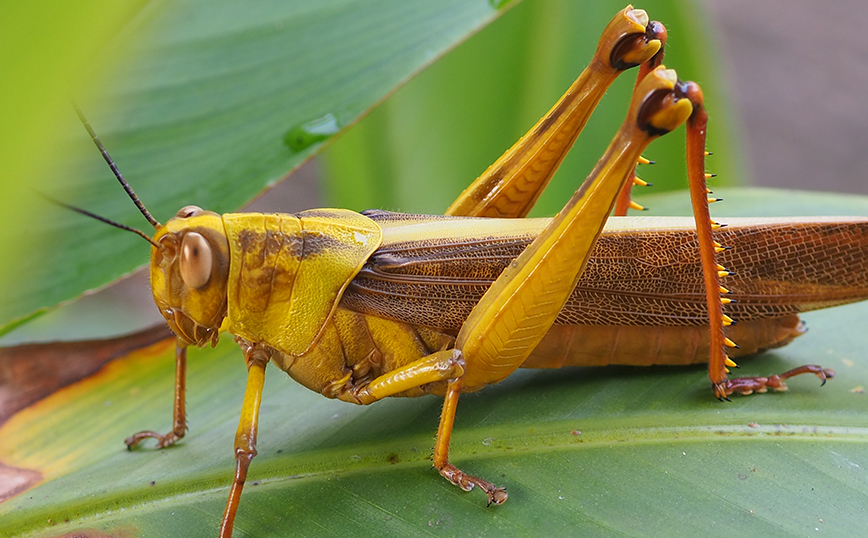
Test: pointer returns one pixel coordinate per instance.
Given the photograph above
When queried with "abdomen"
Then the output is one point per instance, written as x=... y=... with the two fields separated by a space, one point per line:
x=636 y=345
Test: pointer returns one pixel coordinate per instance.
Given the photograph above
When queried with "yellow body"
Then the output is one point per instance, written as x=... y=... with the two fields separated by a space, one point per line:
x=343 y=298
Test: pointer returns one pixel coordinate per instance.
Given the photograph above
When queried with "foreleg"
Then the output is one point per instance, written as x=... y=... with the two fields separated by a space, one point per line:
x=179 y=422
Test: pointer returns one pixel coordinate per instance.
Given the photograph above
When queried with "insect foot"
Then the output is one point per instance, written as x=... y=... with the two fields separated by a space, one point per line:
x=496 y=495
x=749 y=385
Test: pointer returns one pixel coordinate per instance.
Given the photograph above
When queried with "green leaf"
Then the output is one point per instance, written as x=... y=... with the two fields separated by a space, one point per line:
x=199 y=102
x=583 y=451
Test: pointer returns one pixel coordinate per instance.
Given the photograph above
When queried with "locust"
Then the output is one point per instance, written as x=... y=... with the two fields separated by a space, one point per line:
x=364 y=306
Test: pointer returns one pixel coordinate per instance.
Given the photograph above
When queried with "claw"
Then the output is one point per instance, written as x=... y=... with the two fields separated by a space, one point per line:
x=497 y=496
x=163 y=441
x=749 y=385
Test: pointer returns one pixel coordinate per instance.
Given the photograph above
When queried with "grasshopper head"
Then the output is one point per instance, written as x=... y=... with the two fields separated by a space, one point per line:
x=189 y=273
x=189 y=262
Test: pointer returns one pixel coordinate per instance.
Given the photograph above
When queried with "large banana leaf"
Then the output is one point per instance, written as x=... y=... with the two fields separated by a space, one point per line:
x=591 y=452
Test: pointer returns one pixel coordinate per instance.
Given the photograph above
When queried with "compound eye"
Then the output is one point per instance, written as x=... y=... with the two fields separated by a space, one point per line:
x=189 y=211
x=196 y=260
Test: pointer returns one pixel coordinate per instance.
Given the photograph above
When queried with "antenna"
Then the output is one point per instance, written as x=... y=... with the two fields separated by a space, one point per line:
x=101 y=219
x=154 y=222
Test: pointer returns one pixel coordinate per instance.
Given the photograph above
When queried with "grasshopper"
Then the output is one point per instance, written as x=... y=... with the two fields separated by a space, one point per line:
x=360 y=307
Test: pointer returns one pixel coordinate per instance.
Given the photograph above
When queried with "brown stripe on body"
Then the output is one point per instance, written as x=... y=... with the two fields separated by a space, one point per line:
x=269 y=250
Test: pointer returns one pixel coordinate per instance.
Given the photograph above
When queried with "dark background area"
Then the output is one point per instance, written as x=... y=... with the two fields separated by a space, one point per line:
x=798 y=70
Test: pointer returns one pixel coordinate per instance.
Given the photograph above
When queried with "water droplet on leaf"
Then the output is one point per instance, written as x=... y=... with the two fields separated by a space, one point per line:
x=312 y=132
